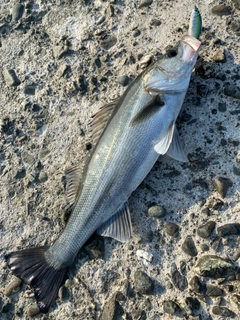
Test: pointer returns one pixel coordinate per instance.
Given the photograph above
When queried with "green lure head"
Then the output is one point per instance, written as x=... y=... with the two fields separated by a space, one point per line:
x=195 y=26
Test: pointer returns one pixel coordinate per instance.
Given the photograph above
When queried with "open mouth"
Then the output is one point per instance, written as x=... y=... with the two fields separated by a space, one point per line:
x=192 y=42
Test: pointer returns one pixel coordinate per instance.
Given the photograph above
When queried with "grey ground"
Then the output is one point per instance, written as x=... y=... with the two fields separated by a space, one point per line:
x=69 y=59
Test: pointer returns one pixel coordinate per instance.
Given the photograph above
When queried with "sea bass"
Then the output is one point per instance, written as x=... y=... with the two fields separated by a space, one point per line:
x=129 y=138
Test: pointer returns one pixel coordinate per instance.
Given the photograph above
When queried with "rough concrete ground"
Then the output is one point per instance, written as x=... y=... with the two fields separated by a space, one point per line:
x=60 y=62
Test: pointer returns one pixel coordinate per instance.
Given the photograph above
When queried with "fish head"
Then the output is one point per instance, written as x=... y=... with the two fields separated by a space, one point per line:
x=172 y=71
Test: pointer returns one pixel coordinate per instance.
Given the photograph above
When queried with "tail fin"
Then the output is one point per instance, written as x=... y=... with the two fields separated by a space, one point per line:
x=31 y=266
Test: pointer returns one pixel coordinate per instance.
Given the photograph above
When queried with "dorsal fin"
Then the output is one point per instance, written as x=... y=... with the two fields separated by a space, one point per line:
x=73 y=180
x=100 y=120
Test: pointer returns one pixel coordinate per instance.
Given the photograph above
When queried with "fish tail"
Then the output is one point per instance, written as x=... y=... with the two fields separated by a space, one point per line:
x=31 y=266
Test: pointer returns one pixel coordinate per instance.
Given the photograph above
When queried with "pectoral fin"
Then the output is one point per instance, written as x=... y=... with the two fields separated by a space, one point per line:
x=119 y=226
x=163 y=145
x=175 y=149
x=148 y=110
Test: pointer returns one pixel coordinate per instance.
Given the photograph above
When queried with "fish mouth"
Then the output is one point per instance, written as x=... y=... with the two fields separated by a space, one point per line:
x=191 y=46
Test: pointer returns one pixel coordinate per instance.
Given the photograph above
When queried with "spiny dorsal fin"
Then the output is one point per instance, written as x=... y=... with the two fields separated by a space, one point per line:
x=148 y=110
x=119 y=226
x=100 y=119
x=73 y=177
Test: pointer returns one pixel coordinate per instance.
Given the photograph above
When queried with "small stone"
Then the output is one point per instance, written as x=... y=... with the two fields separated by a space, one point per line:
x=213 y=267
x=33 y=310
x=157 y=211
x=219 y=55
x=108 y=43
x=205 y=230
x=213 y=291
x=64 y=293
x=27 y=158
x=189 y=247
x=222 y=185
x=136 y=33
x=145 y=3
x=123 y=80
x=138 y=315
x=11 y=77
x=13 y=286
x=235 y=26
x=171 y=229
x=232 y=90
x=223 y=311
x=204 y=247
x=95 y=249
x=229 y=229
x=29 y=89
x=17 y=11
x=145 y=61
x=170 y=307
x=196 y=284
x=236 y=171
x=43 y=177
x=61 y=70
x=216 y=243
x=155 y=22
x=143 y=283
x=178 y=280
x=112 y=310
x=221 y=10
x=202 y=90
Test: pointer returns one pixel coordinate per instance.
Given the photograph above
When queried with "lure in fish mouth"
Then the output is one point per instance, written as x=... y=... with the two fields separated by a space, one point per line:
x=128 y=139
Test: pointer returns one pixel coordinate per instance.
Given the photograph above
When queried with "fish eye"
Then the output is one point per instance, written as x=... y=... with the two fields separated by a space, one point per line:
x=172 y=53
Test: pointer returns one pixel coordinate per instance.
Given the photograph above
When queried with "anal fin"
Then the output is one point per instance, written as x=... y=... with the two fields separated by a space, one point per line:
x=119 y=226
x=175 y=149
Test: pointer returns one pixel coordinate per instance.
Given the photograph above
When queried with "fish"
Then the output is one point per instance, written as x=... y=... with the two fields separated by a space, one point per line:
x=195 y=25
x=129 y=135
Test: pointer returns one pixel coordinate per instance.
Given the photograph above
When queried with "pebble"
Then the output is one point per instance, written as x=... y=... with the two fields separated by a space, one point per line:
x=229 y=229
x=63 y=293
x=216 y=243
x=213 y=291
x=95 y=249
x=196 y=285
x=138 y=315
x=43 y=177
x=143 y=283
x=189 y=247
x=145 y=3
x=204 y=247
x=202 y=90
x=123 y=80
x=172 y=229
x=222 y=185
x=11 y=78
x=33 y=310
x=17 y=11
x=145 y=61
x=236 y=171
x=178 y=280
x=206 y=229
x=108 y=43
x=12 y=286
x=146 y=257
x=223 y=311
x=213 y=267
x=157 y=211
x=232 y=90
x=112 y=310
x=219 y=55
x=235 y=26
x=221 y=10
x=155 y=22
x=170 y=307
x=29 y=90
x=61 y=70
